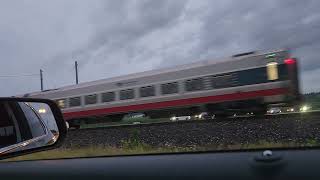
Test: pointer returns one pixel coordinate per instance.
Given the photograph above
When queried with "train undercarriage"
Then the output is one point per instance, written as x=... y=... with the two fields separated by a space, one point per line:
x=254 y=107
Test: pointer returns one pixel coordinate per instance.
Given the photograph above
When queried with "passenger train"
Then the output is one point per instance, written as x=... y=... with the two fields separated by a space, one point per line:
x=244 y=82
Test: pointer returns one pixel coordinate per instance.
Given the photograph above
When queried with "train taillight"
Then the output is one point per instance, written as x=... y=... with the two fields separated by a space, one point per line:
x=292 y=67
x=290 y=61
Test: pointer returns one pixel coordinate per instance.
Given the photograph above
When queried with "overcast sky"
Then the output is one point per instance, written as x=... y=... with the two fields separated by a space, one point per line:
x=111 y=38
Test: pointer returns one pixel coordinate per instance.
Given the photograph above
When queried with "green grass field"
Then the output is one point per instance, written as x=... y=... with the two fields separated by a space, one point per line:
x=134 y=147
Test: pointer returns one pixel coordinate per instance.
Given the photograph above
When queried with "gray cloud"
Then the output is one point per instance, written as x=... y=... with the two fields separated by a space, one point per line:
x=111 y=38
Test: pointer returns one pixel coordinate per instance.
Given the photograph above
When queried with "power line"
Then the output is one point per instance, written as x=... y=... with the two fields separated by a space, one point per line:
x=17 y=76
x=27 y=75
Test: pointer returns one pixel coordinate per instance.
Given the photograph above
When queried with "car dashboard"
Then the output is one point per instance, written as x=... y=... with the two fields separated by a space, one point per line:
x=280 y=164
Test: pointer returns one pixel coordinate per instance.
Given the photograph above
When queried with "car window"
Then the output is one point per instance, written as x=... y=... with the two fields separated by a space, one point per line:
x=7 y=127
x=160 y=76
x=36 y=126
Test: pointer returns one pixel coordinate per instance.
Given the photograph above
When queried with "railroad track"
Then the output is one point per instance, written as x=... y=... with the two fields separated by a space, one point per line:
x=237 y=118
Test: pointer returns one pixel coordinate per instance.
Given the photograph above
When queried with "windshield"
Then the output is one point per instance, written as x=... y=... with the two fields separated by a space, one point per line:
x=139 y=77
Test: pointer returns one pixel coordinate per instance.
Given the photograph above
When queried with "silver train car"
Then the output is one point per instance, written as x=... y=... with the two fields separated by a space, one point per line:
x=244 y=82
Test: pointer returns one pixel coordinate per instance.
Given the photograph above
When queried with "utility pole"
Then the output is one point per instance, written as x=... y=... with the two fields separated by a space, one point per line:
x=76 y=67
x=41 y=79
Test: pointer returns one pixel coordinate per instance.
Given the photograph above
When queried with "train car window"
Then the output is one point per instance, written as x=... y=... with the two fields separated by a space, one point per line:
x=255 y=76
x=91 y=99
x=147 y=91
x=272 y=71
x=252 y=76
x=194 y=84
x=222 y=81
x=108 y=96
x=283 y=72
x=75 y=101
x=169 y=88
x=61 y=103
x=126 y=94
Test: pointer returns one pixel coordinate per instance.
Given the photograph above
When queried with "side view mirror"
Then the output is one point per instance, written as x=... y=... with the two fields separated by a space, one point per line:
x=29 y=125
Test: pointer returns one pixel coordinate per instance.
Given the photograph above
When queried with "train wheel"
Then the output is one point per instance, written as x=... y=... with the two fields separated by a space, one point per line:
x=75 y=127
x=260 y=112
x=220 y=115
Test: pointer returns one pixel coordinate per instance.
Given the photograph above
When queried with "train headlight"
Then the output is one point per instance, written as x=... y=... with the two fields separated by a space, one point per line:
x=305 y=108
x=173 y=118
x=290 y=110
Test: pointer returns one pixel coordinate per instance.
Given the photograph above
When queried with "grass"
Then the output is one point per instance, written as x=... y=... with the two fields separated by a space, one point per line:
x=91 y=152
x=125 y=121
x=133 y=146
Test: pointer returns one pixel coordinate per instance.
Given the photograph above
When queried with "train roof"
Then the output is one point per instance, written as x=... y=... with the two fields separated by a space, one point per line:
x=158 y=71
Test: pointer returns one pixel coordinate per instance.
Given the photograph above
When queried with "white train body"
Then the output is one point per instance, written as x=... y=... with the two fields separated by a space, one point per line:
x=266 y=78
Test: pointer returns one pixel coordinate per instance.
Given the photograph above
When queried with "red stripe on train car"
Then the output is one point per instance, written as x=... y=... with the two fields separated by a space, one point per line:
x=179 y=102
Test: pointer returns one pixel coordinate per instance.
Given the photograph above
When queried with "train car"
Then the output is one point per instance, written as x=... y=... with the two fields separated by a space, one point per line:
x=244 y=82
